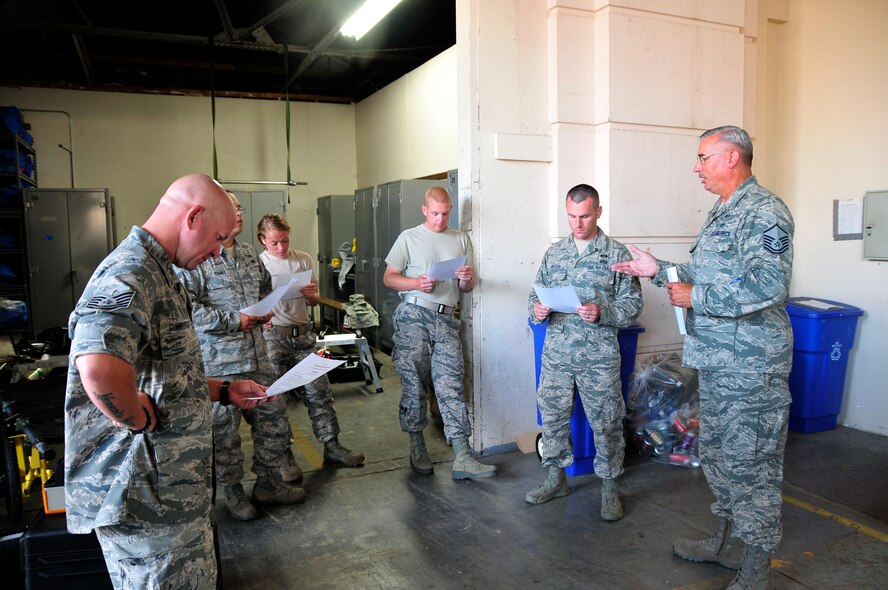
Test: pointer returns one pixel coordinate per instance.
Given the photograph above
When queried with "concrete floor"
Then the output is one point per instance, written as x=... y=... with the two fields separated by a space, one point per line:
x=383 y=526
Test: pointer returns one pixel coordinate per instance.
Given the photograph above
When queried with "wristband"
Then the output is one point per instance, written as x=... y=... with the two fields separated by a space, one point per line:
x=147 y=423
x=223 y=393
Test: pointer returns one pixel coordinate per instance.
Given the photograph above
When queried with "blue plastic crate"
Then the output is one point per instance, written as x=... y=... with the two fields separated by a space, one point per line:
x=822 y=342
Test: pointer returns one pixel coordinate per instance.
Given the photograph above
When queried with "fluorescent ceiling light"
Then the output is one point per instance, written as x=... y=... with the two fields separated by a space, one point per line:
x=366 y=17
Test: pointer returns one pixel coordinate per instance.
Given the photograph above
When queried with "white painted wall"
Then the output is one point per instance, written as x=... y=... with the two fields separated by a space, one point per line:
x=827 y=86
x=137 y=144
x=408 y=129
x=554 y=93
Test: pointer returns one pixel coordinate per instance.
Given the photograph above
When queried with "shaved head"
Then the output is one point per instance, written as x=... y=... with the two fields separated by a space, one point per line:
x=194 y=216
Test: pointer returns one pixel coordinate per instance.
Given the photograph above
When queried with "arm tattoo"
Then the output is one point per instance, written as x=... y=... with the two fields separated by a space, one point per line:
x=108 y=401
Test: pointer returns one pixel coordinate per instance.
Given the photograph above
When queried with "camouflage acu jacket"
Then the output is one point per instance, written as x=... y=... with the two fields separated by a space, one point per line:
x=219 y=289
x=617 y=295
x=135 y=308
x=740 y=267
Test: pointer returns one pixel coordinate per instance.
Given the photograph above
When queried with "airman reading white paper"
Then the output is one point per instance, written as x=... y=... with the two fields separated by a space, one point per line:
x=561 y=299
x=290 y=290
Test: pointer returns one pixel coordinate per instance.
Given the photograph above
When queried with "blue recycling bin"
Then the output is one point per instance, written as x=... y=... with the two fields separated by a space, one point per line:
x=580 y=431
x=823 y=335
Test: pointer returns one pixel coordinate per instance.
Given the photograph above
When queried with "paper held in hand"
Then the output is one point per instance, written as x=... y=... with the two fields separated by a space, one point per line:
x=446 y=269
x=290 y=290
x=305 y=371
x=561 y=299
x=672 y=275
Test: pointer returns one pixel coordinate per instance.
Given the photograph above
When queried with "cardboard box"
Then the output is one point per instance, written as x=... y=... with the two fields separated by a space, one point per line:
x=527 y=441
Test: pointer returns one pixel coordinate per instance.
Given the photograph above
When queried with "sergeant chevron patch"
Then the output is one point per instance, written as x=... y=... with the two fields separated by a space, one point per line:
x=776 y=239
x=111 y=302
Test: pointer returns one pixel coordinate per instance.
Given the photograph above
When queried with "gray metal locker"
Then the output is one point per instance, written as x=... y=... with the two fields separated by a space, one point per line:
x=336 y=225
x=453 y=189
x=68 y=235
x=399 y=208
x=365 y=252
x=256 y=204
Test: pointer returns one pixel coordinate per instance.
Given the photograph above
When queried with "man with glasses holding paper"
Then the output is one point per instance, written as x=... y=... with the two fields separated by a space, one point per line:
x=740 y=339
x=581 y=351
x=426 y=335
x=233 y=347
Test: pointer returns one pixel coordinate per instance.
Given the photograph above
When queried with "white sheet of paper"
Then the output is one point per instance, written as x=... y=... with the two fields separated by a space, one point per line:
x=305 y=371
x=296 y=280
x=288 y=290
x=850 y=216
x=561 y=299
x=446 y=269
x=672 y=275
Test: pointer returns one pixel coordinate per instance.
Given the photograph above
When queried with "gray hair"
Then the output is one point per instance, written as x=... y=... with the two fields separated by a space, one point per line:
x=581 y=192
x=736 y=137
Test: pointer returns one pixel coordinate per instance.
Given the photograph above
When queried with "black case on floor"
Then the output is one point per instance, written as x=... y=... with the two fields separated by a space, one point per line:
x=54 y=559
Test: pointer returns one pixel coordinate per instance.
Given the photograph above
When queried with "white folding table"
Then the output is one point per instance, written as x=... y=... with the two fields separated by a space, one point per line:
x=366 y=357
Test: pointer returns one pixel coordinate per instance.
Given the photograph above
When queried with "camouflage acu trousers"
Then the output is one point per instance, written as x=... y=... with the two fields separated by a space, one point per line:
x=285 y=352
x=743 y=425
x=163 y=557
x=597 y=381
x=427 y=347
x=269 y=426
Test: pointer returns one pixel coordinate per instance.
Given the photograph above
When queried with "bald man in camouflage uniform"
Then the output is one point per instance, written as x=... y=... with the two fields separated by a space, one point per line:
x=581 y=350
x=739 y=337
x=233 y=347
x=137 y=405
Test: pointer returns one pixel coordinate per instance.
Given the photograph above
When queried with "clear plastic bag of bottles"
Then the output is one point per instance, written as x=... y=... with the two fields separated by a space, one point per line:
x=664 y=411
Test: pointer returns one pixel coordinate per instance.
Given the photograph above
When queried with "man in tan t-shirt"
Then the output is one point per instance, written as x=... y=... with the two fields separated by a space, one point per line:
x=426 y=335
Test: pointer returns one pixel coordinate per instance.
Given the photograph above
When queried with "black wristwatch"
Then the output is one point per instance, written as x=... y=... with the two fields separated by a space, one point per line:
x=147 y=423
x=223 y=393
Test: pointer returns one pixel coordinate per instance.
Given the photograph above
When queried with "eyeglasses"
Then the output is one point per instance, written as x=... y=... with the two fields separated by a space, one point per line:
x=239 y=209
x=701 y=158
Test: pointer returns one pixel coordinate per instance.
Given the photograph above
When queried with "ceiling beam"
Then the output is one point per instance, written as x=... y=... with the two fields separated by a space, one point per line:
x=385 y=54
x=315 y=53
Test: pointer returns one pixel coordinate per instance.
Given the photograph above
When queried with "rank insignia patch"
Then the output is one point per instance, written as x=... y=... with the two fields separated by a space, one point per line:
x=776 y=240
x=111 y=302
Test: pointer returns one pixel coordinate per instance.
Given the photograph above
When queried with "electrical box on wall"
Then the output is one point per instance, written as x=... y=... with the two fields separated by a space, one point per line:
x=875 y=225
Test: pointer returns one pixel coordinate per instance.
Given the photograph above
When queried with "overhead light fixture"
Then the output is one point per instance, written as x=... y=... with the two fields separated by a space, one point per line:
x=366 y=17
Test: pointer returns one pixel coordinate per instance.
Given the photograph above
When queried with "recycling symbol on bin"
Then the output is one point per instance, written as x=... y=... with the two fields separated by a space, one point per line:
x=836 y=353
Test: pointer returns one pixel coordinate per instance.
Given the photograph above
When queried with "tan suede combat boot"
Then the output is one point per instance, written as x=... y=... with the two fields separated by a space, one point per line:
x=611 y=507
x=722 y=548
x=237 y=503
x=465 y=466
x=419 y=455
x=554 y=486
x=755 y=571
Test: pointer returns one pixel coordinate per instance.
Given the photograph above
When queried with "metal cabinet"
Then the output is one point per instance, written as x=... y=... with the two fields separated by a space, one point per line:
x=365 y=249
x=68 y=233
x=453 y=189
x=399 y=208
x=256 y=204
x=336 y=225
x=382 y=212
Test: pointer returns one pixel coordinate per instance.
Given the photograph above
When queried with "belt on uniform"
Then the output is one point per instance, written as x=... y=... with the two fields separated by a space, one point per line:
x=294 y=330
x=438 y=307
